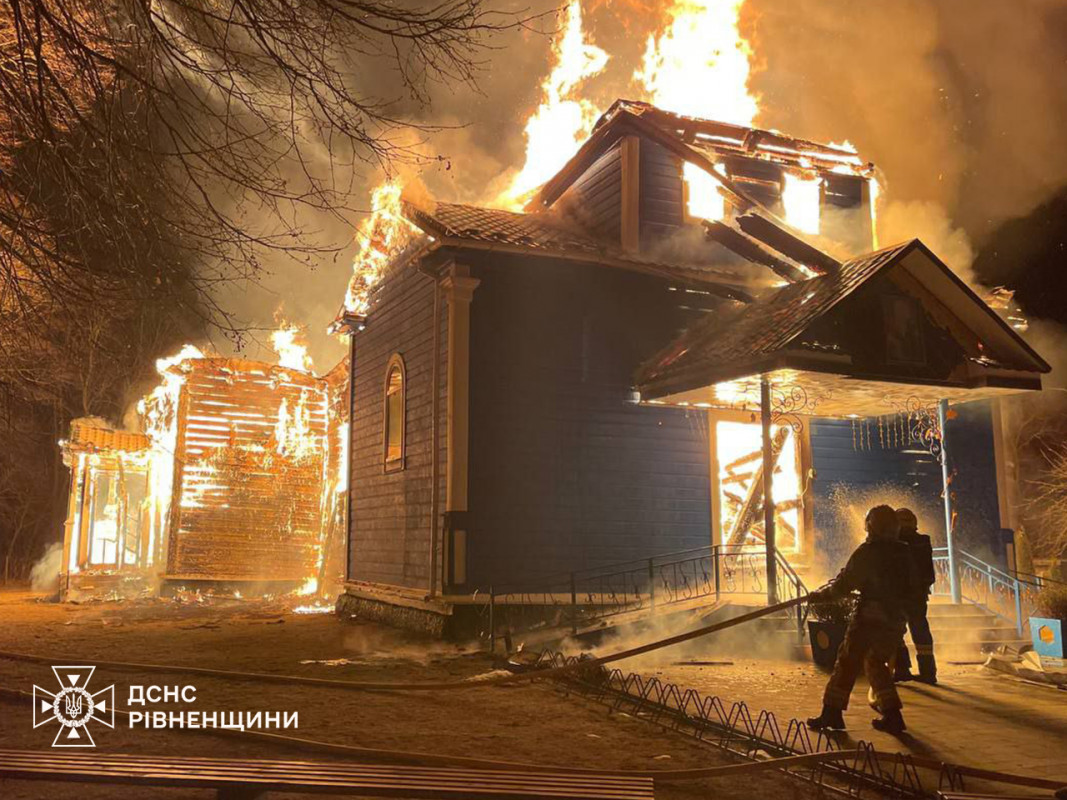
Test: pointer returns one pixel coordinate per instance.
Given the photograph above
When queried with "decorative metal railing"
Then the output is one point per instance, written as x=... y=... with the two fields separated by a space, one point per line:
x=586 y=598
x=757 y=734
x=1010 y=597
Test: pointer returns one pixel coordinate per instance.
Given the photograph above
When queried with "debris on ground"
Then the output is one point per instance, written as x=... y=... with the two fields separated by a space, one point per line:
x=1029 y=666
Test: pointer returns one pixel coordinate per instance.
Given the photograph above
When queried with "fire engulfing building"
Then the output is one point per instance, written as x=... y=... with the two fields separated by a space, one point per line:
x=689 y=317
x=239 y=477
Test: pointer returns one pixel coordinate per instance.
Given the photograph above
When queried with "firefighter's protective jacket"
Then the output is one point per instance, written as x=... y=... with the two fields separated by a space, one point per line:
x=922 y=558
x=881 y=571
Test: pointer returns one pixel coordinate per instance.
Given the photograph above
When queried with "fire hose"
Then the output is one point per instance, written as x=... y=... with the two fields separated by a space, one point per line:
x=809 y=759
x=497 y=680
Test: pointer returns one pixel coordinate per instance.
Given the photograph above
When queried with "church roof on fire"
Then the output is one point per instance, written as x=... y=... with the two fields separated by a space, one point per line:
x=554 y=235
x=785 y=285
x=702 y=142
x=771 y=332
x=752 y=236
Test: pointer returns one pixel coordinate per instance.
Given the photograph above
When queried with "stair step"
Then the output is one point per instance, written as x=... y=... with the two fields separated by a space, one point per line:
x=965 y=635
x=968 y=621
x=952 y=609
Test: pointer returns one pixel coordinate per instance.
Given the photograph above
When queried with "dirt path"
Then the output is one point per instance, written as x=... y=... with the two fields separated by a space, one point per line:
x=521 y=723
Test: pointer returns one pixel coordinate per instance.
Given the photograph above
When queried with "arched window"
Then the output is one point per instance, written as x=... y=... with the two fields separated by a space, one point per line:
x=394 y=414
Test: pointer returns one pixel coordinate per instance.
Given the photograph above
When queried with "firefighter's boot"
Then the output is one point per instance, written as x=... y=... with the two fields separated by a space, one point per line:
x=829 y=719
x=890 y=722
x=927 y=668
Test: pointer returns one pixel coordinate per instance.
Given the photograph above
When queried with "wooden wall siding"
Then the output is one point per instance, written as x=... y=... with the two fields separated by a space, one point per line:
x=759 y=179
x=389 y=538
x=661 y=201
x=565 y=471
x=595 y=196
x=245 y=512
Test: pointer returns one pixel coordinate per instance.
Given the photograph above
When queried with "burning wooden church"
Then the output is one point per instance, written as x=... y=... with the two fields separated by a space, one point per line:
x=688 y=337
x=236 y=479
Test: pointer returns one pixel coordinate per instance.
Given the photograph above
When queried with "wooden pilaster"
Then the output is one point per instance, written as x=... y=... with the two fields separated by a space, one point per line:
x=459 y=289
x=713 y=469
x=631 y=193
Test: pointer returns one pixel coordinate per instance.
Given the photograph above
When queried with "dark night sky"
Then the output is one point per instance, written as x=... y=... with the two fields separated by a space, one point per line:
x=961 y=103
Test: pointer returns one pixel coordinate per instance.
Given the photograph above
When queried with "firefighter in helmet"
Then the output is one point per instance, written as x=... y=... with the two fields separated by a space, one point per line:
x=880 y=571
x=922 y=558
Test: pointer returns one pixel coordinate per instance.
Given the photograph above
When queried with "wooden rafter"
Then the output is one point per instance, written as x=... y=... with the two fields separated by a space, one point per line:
x=750 y=508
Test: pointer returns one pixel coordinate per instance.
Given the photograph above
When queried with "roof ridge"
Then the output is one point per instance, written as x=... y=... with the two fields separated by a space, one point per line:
x=882 y=250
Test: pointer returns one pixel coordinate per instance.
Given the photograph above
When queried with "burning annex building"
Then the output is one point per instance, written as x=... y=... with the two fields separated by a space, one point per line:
x=688 y=337
x=237 y=479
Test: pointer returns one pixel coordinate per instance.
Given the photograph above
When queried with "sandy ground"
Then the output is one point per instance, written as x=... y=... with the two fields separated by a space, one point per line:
x=521 y=723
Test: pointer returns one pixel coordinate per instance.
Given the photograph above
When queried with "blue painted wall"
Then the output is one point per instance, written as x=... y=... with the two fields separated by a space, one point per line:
x=972 y=458
x=857 y=466
x=566 y=472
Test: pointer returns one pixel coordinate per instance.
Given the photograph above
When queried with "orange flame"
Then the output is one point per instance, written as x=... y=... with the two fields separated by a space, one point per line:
x=800 y=199
x=159 y=420
x=699 y=65
x=562 y=121
x=293 y=436
x=381 y=236
x=289 y=344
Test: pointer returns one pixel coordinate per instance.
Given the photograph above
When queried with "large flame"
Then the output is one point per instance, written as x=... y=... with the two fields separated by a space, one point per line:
x=699 y=64
x=293 y=441
x=289 y=344
x=800 y=200
x=159 y=420
x=704 y=197
x=293 y=436
x=562 y=121
x=382 y=235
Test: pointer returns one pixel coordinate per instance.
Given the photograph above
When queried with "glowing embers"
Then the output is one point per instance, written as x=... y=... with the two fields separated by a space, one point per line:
x=314 y=608
x=252 y=445
x=738 y=448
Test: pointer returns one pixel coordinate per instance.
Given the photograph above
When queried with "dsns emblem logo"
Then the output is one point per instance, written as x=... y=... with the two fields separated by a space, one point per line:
x=73 y=707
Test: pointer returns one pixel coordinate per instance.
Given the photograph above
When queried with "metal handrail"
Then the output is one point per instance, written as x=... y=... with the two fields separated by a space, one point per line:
x=536 y=583
x=1037 y=580
x=582 y=597
x=993 y=583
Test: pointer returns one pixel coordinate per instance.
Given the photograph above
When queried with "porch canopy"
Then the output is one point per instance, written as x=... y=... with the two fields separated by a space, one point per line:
x=890 y=332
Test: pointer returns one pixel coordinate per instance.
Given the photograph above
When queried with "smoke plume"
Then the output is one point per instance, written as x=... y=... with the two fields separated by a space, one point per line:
x=966 y=132
x=44 y=577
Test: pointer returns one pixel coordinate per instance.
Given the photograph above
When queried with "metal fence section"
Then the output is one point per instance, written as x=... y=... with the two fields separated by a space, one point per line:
x=754 y=734
x=588 y=598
